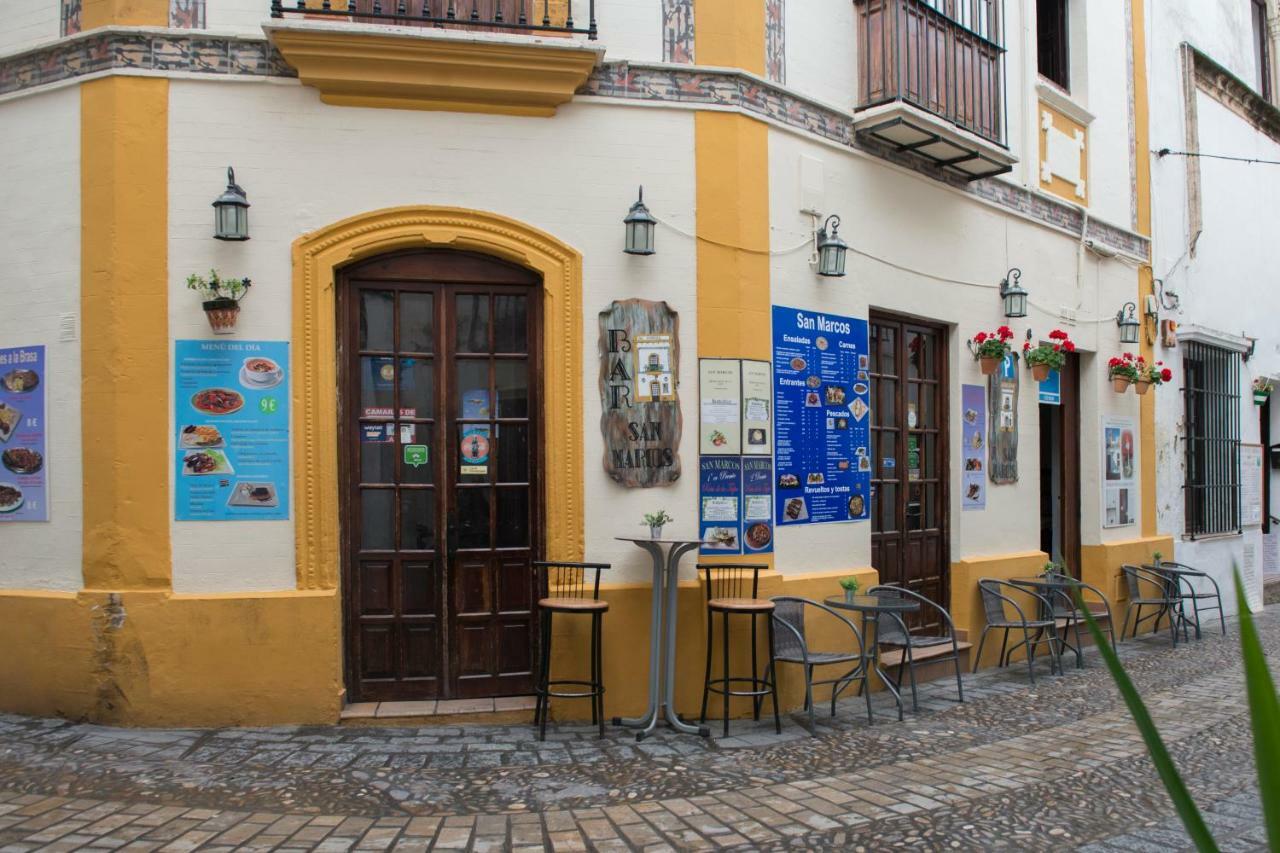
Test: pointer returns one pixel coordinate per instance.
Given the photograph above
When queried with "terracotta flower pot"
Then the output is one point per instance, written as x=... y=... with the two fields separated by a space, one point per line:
x=1141 y=387
x=1119 y=384
x=222 y=314
x=1040 y=372
x=989 y=365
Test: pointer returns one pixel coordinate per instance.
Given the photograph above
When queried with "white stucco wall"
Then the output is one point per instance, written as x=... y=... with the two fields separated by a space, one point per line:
x=829 y=75
x=39 y=282
x=629 y=29
x=574 y=176
x=911 y=221
x=27 y=23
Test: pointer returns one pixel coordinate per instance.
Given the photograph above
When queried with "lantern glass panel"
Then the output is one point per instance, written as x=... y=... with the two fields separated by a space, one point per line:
x=639 y=238
x=1015 y=304
x=1128 y=332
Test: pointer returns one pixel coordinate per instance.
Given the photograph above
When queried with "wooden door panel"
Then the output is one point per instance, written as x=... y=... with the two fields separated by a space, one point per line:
x=438 y=347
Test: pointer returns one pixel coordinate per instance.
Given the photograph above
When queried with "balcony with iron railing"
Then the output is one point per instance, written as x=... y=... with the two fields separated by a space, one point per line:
x=932 y=81
x=519 y=57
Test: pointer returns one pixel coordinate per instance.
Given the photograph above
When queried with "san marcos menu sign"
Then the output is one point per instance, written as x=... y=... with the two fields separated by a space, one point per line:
x=822 y=417
x=640 y=404
x=24 y=483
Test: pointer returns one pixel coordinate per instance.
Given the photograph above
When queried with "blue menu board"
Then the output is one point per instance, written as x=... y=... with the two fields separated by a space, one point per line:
x=823 y=417
x=757 y=504
x=231 y=413
x=24 y=483
x=720 y=504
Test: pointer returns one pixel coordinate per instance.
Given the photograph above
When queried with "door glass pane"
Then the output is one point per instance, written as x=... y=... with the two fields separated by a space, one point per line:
x=377 y=389
x=927 y=412
x=376 y=317
x=472 y=322
x=887 y=504
x=913 y=405
x=915 y=496
x=417 y=388
x=417 y=322
x=511 y=323
x=377 y=519
x=417 y=519
x=473 y=517
x=930 y=454
x=414 y=468
x=886 y=357
x=472 y=382
x=513 y=453
x=931 y=507
x=885 y=410
x=916 y=355
x=513 y=389
x=377 y=453
x=513 y=518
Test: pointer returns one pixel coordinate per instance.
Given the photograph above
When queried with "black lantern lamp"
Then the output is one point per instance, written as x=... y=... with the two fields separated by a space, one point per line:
x=1015 y=298
x=231 y=211
x=1128 y=323
x=831 y=249
x=640 y=227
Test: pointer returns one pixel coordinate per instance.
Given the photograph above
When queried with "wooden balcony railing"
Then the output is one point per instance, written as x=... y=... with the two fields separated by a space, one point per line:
x=529 y=17
x=944 y=56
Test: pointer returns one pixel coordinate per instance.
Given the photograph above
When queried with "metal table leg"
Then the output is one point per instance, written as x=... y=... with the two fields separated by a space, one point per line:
x=874 y=618
x=673 y=595
x=650 y=718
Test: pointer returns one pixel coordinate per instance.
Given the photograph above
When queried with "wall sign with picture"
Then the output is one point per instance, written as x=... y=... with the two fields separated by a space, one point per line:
x=1002 y=439
x=1119 y=474
x=640 y=418
x=24 y=476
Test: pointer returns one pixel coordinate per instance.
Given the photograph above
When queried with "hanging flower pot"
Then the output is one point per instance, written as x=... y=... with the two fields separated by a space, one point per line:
x=1141 y=386
x=1261 y=391
x=222 y=314
x=221 y=299
x=1125 y=370
x=1120 y=384
x=1046 y=358
x=1040 y=372
x=990 y=348
x=1260 y=398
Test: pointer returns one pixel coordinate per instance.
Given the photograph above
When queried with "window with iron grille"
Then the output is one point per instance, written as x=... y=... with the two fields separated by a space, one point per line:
x=1211 y=391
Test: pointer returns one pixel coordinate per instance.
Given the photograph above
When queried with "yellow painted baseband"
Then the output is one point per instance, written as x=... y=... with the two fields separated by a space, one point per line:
x=966 y=600
x=157 y=659
x=434 y=69
x=1100 y=564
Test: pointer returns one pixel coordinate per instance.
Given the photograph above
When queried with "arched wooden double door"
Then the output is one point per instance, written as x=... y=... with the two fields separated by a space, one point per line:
x=440 y=448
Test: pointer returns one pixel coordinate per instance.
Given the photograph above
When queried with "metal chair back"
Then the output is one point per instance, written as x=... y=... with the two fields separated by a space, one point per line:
x=569 y=580
x=894 y=631
x=731 y=580
x=791 y=643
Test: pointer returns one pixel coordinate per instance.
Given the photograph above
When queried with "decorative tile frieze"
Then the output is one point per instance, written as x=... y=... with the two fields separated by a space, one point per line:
x=775 y=40
x=677 y=31
x=186 y=14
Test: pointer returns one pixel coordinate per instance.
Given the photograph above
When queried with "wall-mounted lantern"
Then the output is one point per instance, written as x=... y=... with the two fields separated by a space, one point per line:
x=1127 y=320
x=1013 y=296
x=832 y=251
x=231 y=211
x=640 y=227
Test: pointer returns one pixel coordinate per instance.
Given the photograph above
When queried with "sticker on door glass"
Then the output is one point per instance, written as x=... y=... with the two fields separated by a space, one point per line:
x=415 y=455
x=475 y=450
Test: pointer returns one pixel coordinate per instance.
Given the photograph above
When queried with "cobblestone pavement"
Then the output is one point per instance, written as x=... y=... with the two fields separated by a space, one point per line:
x=1046 y=768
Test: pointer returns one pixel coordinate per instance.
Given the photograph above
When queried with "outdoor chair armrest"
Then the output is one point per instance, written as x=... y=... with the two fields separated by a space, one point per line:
x=809 y=602
x=1021 y=615
x=924 y=602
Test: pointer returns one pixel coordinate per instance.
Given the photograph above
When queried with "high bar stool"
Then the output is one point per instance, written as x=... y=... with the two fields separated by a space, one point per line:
x=733 y=589
x=568 y=592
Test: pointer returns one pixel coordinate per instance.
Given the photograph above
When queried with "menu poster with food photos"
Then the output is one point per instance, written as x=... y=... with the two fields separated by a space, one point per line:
x=757 y=505
x=231 y=414
x=822 y=417
x=720 y=406
x=973 y=477
x=720 y=504
x=24 y=483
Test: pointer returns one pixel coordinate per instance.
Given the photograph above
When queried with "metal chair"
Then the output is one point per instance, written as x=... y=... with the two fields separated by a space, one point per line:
x=732 y=589
x=790 y=645
x=1188 y=592
x=894 y=632
x=1164 y=599
x=1099 y=609
x=993 y=605
x=569 y=592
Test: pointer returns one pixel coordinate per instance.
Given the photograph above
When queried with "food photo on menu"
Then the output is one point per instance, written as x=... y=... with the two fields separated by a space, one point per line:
x=23 y=464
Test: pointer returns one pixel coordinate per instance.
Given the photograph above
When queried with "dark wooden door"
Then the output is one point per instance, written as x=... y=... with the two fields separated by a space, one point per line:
x=440 y=459
x=909 y=524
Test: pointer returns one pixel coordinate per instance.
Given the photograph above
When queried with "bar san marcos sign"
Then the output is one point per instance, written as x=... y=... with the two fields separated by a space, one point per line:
x=639 y=398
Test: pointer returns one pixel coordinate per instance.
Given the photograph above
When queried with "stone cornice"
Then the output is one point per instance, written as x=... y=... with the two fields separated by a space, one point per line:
x=184 y=52
x=1235 y=94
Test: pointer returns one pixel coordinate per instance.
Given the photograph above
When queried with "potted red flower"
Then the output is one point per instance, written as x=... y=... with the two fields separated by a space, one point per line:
x=990 y=348
x=1123 y=370
x=1047 y=357
x=1151 y=374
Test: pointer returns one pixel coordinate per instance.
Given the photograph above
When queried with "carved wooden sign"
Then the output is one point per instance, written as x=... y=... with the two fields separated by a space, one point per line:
x=639 y=381
x=1002 y=441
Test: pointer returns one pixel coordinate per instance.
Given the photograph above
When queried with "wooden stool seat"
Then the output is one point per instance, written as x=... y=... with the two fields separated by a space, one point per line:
x=573 y=605
x=741 y=605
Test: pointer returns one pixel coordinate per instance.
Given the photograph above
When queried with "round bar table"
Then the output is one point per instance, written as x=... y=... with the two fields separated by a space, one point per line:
x=1049 y=588
x=662 y=663
x=871 y=606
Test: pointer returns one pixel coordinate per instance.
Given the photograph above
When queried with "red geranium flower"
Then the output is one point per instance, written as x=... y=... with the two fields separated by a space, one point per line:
x=980 y=337
x=1005 y=333
x=1069 y=346
x=1057 y=335
x=1166 y=374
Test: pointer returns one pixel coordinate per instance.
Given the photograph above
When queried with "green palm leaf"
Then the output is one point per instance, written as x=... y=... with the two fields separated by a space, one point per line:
x=1265 y=713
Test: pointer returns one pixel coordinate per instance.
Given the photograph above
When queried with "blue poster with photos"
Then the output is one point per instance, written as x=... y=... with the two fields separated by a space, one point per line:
x=231 y=413
x=24 y=477
x=822 y=407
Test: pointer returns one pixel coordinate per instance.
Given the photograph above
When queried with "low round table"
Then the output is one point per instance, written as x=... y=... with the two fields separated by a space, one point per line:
x=871 y=606
x=1049 y=588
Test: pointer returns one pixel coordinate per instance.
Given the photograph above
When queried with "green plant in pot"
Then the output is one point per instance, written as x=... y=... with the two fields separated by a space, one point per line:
x=1045 y=358
x=850 y=587
x=1054 y=568
x=656 y=520
x=221 y=299
x=1156 y=558
x=1262 y=388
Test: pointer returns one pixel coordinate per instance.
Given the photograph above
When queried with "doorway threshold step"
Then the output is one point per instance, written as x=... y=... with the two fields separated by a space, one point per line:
x=433 y=708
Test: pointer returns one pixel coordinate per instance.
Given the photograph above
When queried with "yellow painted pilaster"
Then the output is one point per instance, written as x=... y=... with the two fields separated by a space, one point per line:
x=124 y=13
x=125 y=330
x=730 y=33
x=1142 y=179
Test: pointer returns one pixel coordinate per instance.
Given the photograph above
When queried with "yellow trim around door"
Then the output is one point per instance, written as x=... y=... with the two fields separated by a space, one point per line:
x=1146 y=283
x=317 y=255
